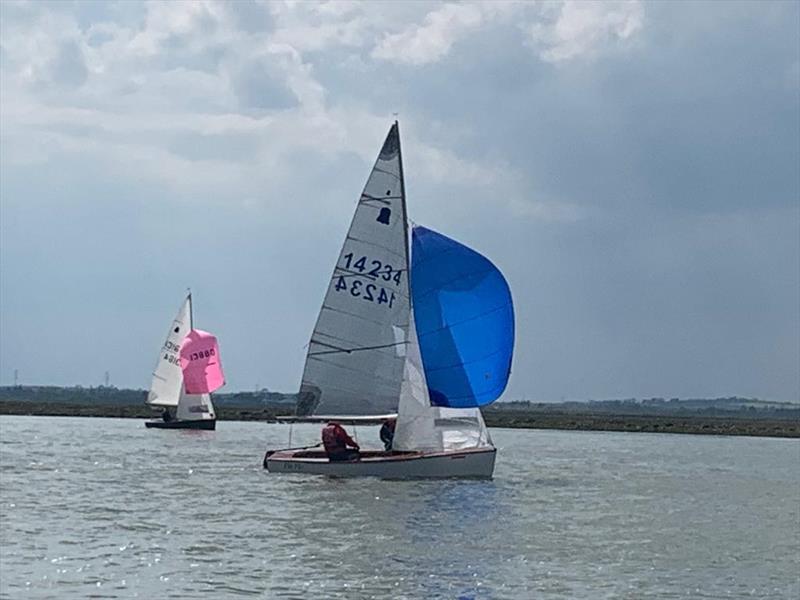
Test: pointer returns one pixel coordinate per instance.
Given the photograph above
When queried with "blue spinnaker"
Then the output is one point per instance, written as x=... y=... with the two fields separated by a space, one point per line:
x=465 y=321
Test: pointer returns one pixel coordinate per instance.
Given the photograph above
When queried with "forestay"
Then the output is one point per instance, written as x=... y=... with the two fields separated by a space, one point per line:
x=356 y=354
x=165 y=388
x=465 y=321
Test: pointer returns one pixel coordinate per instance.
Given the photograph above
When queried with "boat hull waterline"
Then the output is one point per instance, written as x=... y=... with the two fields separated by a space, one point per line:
x=475 y=463
x=204 y=424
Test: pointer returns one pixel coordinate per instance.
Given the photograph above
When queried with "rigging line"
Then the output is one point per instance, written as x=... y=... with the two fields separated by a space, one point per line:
x=313 y=341
x=358 y=349
x=334 y=338
x=334 y=359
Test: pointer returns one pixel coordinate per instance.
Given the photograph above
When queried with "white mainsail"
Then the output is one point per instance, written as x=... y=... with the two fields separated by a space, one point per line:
x=166 y=388
x=356 y=355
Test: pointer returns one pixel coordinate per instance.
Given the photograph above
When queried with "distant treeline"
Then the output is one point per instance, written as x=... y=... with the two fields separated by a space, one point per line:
x=733 y=406
x=112 y=396
x=281 y=403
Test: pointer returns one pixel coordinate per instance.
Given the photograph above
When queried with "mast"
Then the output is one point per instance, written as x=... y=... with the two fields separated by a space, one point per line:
x=405 y=212
x=191 y=312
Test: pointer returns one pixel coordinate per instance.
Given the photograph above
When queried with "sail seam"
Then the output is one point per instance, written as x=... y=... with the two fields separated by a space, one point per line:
x=465 y=362
x=451 y=325
x=440 y=285
x=471 y=396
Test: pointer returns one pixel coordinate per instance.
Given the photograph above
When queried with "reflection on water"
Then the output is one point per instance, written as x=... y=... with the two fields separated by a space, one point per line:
x=106 y=508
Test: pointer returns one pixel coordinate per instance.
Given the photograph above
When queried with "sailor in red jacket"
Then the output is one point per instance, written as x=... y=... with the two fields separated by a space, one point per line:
x=336 y=442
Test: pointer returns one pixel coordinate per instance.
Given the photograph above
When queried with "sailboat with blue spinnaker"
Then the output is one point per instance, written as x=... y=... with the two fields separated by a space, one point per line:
x=423 y=334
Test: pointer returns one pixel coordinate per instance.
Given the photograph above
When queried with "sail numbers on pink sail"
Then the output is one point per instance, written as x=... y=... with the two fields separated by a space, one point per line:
x=200 y=362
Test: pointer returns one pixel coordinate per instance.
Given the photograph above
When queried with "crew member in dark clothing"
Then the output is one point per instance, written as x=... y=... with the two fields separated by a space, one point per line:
x=166 y=415
x=339 y=445
x=387 y=433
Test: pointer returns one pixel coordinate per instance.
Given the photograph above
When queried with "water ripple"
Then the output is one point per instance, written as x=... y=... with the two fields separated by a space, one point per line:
x=108 y=509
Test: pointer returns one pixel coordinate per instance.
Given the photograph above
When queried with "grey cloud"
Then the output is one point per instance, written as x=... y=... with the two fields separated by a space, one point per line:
x=68 y=68
x=226 y=147
x=259 y=85
x=251 y=16
x=693 y=117
x=679 y=151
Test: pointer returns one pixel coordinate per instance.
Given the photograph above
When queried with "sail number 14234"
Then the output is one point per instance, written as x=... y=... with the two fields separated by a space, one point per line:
x=375 y=270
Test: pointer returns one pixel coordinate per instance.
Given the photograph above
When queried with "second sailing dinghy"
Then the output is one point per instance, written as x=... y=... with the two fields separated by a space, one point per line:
x=188 y=370
x=429 y=349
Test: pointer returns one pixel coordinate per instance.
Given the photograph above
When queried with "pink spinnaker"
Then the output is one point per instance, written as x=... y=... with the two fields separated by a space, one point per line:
x=200 y=361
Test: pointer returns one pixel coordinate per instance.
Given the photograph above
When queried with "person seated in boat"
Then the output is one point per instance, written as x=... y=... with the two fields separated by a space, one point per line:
x=387 y=433
x=338 y=444
x=166 y=415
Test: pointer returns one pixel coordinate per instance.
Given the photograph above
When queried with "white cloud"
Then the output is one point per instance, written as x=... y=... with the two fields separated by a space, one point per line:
x=584 y=28
x=430 y=41
x=137 y=90
x=442 y=166
x=557 y=31
x=167 y=21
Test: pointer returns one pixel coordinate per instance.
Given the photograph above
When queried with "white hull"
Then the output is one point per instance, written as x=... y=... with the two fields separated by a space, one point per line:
x=471 y=463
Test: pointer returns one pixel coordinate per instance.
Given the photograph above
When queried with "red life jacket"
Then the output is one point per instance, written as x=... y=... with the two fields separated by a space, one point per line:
x=334 y=439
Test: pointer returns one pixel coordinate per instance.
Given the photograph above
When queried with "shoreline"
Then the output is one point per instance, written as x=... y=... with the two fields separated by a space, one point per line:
x=564 y=421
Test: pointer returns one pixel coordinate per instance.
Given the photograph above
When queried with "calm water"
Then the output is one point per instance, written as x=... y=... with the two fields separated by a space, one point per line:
x=106 y=508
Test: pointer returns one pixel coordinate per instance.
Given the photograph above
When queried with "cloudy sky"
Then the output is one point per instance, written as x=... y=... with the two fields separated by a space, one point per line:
x=631 y=167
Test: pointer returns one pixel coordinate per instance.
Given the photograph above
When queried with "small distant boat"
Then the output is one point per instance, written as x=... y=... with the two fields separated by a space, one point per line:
x=428 y=345
x=188 y=370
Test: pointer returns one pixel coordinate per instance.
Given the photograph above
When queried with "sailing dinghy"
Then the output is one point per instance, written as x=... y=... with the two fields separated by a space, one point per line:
x=429 y=349
x=188 y=370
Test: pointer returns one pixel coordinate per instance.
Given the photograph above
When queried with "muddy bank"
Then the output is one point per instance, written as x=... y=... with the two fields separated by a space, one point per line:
x=699 y=424
x=515 y=419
